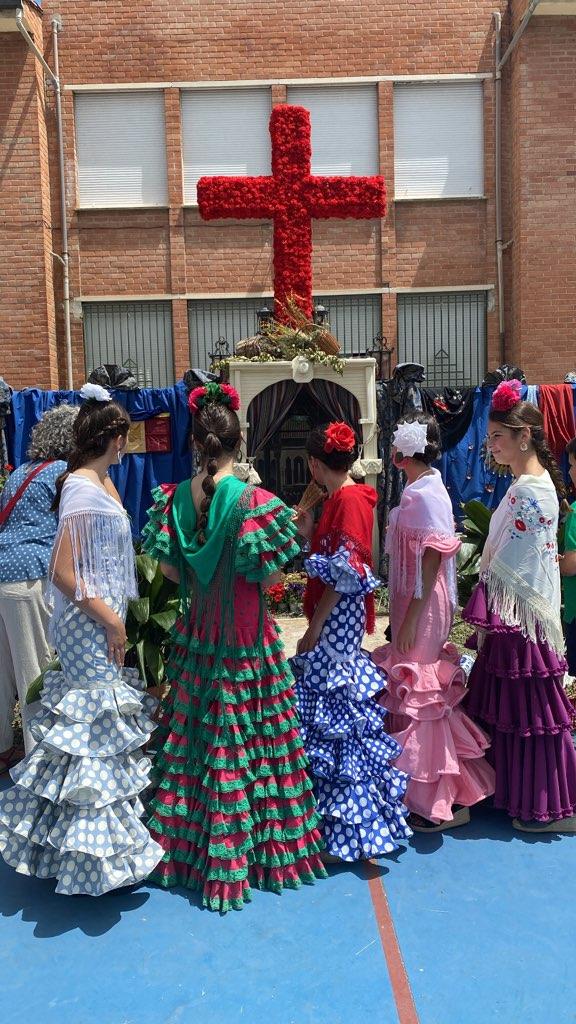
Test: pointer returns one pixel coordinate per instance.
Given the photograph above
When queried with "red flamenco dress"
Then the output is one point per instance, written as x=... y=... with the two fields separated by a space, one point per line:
x=234 y=805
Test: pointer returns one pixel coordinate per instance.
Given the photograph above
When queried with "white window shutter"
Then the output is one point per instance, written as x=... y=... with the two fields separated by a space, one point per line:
x=438 y=140
x=224 y=131
x=344 y=127
x=121 y=149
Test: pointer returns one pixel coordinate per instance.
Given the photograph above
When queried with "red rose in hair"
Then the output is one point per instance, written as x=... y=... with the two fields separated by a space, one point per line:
x=232 y=394
x=339 y=438
x=194 y=399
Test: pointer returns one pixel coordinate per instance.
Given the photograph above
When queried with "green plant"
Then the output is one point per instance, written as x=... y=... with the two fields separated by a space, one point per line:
x=474 y=533
x=149 y=623
x=150 y=619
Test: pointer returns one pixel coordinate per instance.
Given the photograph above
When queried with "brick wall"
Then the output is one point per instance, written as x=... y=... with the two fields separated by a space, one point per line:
x=27 y=313
x=418 y=245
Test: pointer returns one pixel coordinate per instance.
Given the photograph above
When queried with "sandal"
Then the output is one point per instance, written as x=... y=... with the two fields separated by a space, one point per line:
x=566 y=826
x=10 y=758
x=419 y=824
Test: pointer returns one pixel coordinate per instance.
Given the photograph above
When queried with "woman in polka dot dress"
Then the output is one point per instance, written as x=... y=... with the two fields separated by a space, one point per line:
x=358 y=790
x=74 y=813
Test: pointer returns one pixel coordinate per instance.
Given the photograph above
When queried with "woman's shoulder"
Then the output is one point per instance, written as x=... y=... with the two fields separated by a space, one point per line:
x=356 y=493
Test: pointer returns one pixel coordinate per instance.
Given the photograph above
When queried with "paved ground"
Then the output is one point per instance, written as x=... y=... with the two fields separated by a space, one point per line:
x=292 y=630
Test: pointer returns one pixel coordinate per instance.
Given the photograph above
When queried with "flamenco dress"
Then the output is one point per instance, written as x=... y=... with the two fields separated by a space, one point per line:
x=234 y=806
x=74 y=812
x=443 y=750
x=358 y=787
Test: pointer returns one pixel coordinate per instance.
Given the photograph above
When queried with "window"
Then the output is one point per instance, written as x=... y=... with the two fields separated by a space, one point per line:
x=446 y=333
x=224 y=131
x=344 y=127
x=134 y=334
x=121 y=149
x=438 y=140
x=354 y=319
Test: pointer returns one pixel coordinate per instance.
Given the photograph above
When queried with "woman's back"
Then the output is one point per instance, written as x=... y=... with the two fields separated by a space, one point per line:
x=27 y=536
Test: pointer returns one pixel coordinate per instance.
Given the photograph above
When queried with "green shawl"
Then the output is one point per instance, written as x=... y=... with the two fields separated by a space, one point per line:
x=203 y=559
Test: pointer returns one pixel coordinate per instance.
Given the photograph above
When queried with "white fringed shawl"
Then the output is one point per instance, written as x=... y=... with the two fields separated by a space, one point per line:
x=102 y=551
x=520 y=560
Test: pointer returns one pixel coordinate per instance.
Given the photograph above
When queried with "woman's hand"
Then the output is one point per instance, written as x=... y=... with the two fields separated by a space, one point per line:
x=304 y=523
x=116 y=635
x=407 y=634
x=308 y=642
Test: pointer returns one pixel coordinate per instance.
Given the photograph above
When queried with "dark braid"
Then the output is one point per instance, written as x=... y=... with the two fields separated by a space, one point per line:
x=94 y=427
x=525 y=414
x=216 y=432
x=546 y=458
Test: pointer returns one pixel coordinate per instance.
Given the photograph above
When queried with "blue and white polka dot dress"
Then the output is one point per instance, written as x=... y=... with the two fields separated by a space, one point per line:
x=359 y=792
x=74 y=813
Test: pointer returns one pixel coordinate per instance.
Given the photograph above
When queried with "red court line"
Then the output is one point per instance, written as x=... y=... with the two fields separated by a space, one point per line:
x=398 y=977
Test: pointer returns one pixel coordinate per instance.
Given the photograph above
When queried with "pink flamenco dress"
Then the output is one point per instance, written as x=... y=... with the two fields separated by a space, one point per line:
x=442 y=749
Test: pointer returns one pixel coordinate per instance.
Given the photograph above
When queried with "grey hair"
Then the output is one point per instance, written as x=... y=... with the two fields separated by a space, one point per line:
x=53 y=436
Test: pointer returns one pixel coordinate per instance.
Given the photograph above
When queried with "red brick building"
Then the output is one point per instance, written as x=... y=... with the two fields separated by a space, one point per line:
x=155 y=94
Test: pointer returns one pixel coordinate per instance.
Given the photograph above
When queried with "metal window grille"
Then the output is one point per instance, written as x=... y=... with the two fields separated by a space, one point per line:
x=354 y=319
x=446 y=333
x=135 y=333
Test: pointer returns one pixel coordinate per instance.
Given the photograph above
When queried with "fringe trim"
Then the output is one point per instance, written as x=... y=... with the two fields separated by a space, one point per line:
x=401 y=544
x=102 y=554
x=518 y=605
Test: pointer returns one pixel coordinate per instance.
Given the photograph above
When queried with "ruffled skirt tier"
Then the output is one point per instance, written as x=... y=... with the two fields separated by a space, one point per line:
x=74 y=812
x=443 y=751
x=516 y=693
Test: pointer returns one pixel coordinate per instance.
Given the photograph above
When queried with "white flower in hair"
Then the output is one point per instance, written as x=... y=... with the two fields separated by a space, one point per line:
x=95 y=391
x=410 y=438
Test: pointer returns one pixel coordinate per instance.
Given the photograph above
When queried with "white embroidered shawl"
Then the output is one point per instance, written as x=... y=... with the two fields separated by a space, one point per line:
x=520 y=560
x=102 y=550
x=423 y=519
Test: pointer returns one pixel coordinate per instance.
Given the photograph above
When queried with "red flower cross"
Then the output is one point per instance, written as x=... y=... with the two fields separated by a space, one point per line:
x=291 y=197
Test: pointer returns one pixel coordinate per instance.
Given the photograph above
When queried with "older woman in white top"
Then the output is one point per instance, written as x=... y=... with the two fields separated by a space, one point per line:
x=74 y=813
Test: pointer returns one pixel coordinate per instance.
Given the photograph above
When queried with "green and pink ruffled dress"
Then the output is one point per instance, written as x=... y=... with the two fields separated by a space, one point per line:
x=234 y=807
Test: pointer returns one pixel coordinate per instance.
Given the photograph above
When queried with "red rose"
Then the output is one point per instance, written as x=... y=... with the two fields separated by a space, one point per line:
x=520 y=525
x=9 y=468
x=339 y=438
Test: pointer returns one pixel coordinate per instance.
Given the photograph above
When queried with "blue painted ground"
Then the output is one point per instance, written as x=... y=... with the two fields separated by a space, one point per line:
x=484 y=918
x=486 y=921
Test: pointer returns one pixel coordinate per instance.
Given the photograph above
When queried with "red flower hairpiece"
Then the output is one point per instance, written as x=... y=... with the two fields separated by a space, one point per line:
x=339 y=438
x=222 y=394
x=507 y=394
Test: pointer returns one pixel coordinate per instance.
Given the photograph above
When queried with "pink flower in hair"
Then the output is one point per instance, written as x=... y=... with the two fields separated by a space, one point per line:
x=506 y=395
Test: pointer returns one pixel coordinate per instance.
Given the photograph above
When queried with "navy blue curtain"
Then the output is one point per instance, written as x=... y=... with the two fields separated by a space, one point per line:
x=137 y=476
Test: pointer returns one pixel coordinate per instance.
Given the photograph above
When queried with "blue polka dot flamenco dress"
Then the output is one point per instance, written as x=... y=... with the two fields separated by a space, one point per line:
x=74 y=812
x=359 y=791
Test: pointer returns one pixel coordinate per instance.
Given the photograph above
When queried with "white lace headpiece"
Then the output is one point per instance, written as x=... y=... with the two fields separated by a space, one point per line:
x=410 y=438
x=95 y=391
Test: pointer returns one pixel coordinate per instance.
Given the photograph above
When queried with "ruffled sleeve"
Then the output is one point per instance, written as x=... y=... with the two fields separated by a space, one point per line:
x=158 y=536
x=342 y=572
x=267 y=540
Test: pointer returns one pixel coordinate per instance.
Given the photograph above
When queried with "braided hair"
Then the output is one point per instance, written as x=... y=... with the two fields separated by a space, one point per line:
x=94 y=427
x=216 y=432
x=524 y=414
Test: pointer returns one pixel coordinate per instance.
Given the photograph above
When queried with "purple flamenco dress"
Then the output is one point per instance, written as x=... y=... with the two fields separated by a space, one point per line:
x=515 y=687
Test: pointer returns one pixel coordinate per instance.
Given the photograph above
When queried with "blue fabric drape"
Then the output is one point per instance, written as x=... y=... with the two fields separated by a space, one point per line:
x=136 y=477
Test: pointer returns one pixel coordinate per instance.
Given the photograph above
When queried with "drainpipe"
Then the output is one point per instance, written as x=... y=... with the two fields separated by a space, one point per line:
x=498 y=182
x=54 y=77
x=499 y=63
